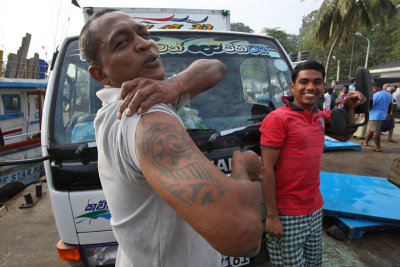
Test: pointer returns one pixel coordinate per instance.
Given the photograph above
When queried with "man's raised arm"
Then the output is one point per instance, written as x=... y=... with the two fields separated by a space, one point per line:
x=224 y=210
x=142 y=93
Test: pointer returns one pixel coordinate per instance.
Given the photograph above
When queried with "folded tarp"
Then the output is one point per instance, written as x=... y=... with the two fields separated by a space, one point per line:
x=333 y=144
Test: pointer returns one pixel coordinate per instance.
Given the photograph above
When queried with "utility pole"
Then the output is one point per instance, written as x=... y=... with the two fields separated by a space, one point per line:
x=359 y=34
x=351 y=58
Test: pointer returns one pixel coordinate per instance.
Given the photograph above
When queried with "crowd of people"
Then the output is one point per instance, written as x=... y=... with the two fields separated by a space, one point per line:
x=382 y=113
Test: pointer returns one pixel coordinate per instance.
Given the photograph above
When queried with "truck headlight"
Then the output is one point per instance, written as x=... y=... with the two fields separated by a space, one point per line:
x=102 y=255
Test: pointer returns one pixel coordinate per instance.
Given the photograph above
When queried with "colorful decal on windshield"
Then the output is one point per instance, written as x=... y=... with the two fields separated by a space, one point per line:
x=176 y=23
x=96 y=210
x=211 y=47
x=171 y=18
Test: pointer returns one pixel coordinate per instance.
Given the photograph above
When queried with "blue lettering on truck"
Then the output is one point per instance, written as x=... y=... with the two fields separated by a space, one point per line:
x=95 y=211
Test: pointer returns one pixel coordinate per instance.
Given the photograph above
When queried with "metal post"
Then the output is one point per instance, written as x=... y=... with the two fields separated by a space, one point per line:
x=351 y=58
x=359 y=34
x=366 y=58
x=38 y=188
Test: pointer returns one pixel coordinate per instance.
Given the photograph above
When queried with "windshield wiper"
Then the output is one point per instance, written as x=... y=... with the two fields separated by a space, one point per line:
x=83 y=151
x=236 y=130
x=82 y=147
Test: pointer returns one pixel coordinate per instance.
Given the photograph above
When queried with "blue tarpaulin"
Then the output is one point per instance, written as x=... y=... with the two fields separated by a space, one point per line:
x=336 y=145
x=360 y=197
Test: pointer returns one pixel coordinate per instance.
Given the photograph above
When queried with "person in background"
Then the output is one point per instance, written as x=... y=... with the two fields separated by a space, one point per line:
x=385 y=87
x=380 y=111
x=340 y=100
x=352 y=86
x=264 y=97
x=268 y=96
x=292 y=141
x=396 y=95
x=388 y=124
x=170 y=205
x=328 y=99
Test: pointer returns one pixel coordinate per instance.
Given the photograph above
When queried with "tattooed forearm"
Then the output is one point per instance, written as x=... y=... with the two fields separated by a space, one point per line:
x=181 y=171
x=203 y=193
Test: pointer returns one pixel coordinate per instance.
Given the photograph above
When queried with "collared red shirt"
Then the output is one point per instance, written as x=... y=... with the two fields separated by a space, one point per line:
x=299 y=138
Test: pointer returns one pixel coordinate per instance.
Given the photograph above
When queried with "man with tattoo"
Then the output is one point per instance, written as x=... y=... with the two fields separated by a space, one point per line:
x=170 y=205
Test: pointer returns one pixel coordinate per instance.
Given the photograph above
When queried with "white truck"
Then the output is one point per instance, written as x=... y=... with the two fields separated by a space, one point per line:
x=223 y=119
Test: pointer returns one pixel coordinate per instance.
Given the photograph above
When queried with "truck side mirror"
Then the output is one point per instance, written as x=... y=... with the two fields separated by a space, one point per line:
x=339 y=120
x=364 y=85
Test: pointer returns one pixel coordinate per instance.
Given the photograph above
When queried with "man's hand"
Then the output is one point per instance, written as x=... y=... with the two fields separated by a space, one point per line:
x=142 y=93
x=273 y=226
x=246 y=166
x=354 y=98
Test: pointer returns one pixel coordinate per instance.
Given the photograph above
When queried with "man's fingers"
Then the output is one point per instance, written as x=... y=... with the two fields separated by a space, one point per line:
x=144 y=100
x=127 y=87
x=125 y=104
x=138 y=101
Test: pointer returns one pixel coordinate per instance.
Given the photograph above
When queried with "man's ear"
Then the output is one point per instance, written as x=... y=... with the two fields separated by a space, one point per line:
x=97 y=73
x=291 y=86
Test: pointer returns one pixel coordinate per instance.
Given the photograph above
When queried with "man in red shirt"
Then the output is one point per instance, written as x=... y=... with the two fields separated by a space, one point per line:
x=292 y=140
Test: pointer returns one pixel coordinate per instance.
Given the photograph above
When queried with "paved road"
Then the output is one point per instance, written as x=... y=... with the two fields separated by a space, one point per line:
x=29 y=236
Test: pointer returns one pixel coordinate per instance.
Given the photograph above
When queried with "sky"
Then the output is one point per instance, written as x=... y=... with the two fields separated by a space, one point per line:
x=50 y=21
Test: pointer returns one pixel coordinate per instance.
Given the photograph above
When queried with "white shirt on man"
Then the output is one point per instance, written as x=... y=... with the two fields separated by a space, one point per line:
x=148 y=230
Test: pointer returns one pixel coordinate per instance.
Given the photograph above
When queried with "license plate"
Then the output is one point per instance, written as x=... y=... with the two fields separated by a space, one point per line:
x=234 y=261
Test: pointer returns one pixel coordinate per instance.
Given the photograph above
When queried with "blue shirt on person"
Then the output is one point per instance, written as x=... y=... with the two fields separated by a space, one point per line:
x=380 y=104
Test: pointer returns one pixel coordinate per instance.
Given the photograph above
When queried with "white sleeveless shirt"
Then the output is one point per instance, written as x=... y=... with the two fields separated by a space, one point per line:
x=148 y=230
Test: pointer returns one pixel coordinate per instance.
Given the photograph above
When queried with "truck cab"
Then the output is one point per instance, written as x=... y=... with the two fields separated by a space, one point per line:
x=221 y=120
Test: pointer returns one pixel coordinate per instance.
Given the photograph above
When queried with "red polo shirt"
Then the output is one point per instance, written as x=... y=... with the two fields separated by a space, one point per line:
x=300 y=139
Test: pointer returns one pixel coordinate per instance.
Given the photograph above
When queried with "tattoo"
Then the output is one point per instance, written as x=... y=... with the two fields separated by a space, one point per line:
x=182 y=172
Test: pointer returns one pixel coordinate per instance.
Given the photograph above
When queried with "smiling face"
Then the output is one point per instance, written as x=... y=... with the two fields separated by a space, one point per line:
x=307 y=88
x=126 y=51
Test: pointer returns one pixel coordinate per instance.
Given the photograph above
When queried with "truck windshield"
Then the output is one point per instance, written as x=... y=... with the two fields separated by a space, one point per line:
x=258 y=74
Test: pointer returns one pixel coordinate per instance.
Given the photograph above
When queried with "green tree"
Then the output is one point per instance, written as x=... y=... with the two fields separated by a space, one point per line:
x=396 y=35
x=240 y=27
x=307 y=38
x=339 y=20
x=306 y=26
x=289 y=41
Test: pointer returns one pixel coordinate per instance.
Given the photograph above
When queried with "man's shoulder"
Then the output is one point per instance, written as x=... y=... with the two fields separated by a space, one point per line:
x=168 y=108
x=389 y=95
x=279 y=114
x=384 y=94
x=281 y=111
